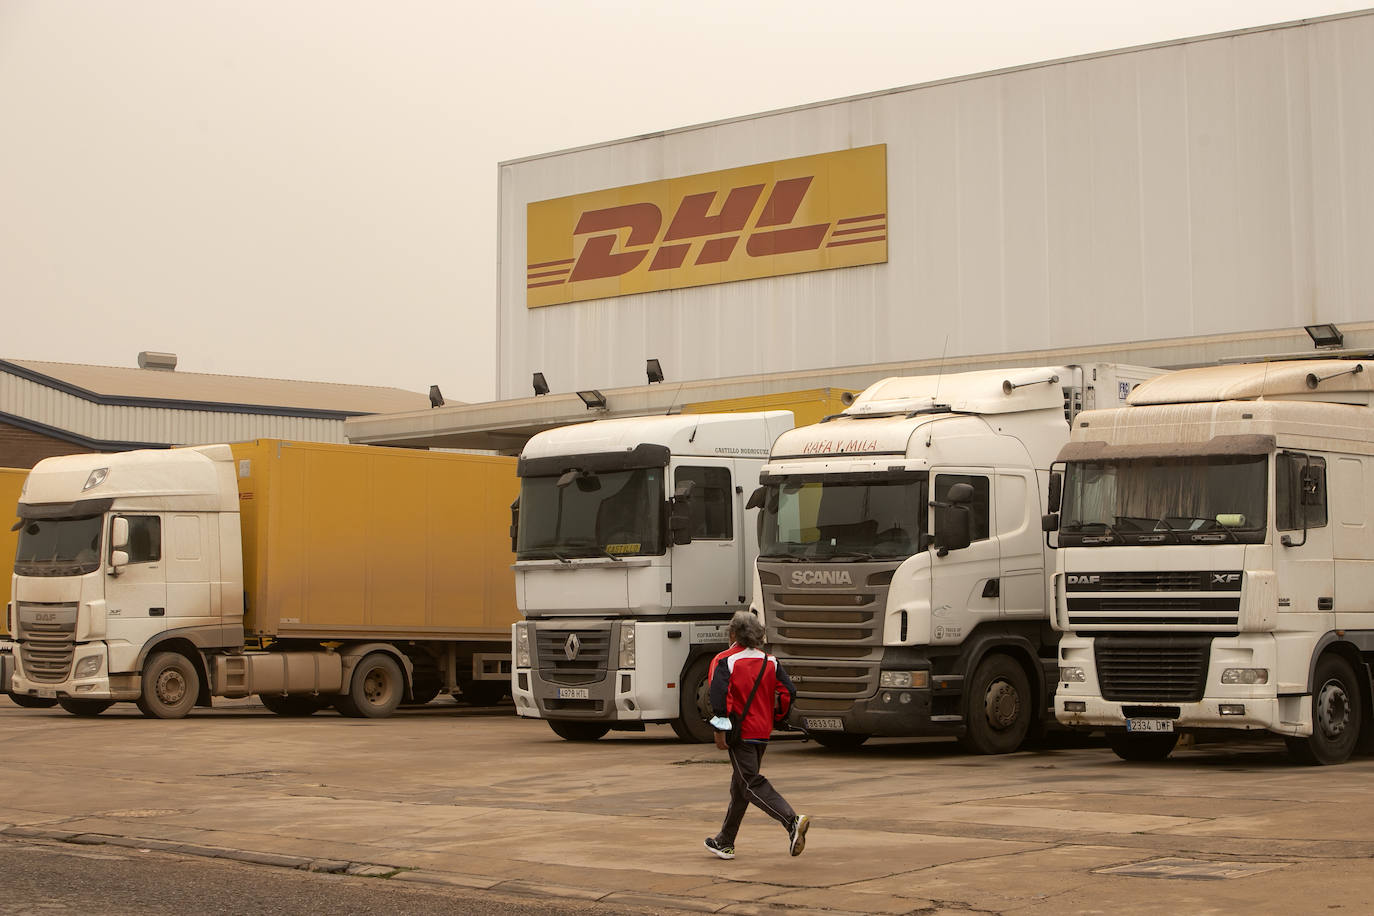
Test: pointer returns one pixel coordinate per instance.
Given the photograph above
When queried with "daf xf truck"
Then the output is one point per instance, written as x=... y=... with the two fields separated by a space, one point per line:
x=305 y=574
x=633 y=549
x=1216 y=559
x=902 y=572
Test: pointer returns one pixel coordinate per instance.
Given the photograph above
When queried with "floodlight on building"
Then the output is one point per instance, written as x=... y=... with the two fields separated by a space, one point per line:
x=1325 y=336
x=436 y=398
x=541 y=385
x=594 y=399
x=653 y=370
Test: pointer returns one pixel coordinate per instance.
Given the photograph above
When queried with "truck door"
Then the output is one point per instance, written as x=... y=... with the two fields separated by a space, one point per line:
x=1306 y=571
x=188 y=573
x=707 y=572
x=964 y=583
x=136 y=598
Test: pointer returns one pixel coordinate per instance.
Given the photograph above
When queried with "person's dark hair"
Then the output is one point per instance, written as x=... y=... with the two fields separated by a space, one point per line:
x=746 y=630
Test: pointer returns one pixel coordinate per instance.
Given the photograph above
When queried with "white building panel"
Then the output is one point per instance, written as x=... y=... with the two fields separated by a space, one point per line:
x=1203 y=187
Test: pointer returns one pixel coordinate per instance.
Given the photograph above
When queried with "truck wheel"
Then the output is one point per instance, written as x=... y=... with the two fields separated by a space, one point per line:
x=24 y=701
x=1336 y=716
x=170 y=686
x=837 y=741
x=569 y=730
x=86 y=709
x=292 y=706
x=375 y=690
x=694 y=705
x=485 y=693
x=999 y=707
x=1142 y=748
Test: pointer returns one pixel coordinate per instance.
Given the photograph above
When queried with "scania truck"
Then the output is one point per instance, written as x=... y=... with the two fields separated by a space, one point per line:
x=1215 y=567
x=305 y=574
x=633 y=549
x=902 y=571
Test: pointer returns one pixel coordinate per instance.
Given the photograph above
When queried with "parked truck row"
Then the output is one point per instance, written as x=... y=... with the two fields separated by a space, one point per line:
x=976 y=555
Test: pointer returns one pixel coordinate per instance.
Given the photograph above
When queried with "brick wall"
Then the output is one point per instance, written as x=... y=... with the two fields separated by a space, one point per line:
x=20 y=448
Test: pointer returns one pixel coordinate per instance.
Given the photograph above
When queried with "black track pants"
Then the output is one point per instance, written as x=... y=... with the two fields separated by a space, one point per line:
x=747 y=785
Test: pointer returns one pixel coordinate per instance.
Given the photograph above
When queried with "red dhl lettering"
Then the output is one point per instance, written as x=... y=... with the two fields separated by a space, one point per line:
x=603 y=256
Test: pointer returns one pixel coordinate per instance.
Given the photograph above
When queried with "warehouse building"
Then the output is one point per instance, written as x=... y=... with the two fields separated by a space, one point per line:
x=1167 y=205
x=49 y=409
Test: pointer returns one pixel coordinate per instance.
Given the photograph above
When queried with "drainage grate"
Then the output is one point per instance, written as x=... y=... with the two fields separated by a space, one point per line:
x=1191 y=868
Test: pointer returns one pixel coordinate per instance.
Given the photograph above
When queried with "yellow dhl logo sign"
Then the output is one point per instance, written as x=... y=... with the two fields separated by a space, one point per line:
x=766 y=220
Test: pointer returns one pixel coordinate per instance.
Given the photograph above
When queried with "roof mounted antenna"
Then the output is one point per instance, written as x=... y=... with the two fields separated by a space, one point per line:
x=673 y=406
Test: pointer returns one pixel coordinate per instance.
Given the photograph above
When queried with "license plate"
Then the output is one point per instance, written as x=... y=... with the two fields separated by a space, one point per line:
x=47 y=693
x=573 y=693
x=1149 y=725
x=823 y=725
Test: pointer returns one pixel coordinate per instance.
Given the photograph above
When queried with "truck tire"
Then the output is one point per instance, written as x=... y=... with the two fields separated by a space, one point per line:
x=1336 y=716
x=170 y=686
x=694 y=705
x=570 y=730
x=485 y=693
x=291 y=706
x=999 y=707
x=837 y=741
x=86 y=709
x=375 y=689
x=1142 y=748
x=24 y=701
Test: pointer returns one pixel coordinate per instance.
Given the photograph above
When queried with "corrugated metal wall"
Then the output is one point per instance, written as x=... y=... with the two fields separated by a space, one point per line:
x=1201 y=187
x=107 y=423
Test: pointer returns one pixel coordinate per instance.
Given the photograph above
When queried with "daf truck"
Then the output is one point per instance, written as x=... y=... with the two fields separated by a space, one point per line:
x=306 y=574
x=1216 y=559
x=633 y=549
x=902 y=573
x=11 y=482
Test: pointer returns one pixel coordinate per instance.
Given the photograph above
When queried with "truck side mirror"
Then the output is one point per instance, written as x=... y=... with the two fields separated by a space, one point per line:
x=757 y=498
x=1049 y=522
x=952 y=519
x=119 y=535
x=1056 y=495
x=514 y=524
x=118 y=560
x=680 y=514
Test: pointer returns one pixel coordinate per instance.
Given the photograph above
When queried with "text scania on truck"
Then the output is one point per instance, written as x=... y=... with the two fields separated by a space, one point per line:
x=633 y=550
x=1216 y=559
x=902 y=570
x=306 y=574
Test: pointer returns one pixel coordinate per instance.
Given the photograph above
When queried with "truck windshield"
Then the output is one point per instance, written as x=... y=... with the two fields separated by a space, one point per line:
x=614 y=513
x=58 y=547
x=1202 y=500
x=815 y=519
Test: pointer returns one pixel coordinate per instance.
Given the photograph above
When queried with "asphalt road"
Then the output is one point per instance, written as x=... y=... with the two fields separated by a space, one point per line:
x=44 y=878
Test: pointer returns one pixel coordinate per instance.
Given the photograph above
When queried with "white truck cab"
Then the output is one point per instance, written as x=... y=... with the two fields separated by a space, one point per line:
x=633 y=550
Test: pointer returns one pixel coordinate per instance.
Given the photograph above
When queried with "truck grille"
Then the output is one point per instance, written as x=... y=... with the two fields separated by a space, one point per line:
x=47 y=640
x=1152 y=669
x=590 y=660
x=830 y=638
x=1190 y=599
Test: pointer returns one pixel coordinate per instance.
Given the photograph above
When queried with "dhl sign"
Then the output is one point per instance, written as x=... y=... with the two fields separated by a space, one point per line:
x=766 y=220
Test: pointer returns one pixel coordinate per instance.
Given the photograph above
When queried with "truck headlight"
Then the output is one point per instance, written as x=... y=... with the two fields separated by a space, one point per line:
x=522 y=645
x=1245 y=676
x=903 y=678
x=1072 y=675
x=87 y=667
x=627 y=645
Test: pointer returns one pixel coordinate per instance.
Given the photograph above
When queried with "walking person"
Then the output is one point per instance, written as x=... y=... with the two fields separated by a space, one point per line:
x=744 y=681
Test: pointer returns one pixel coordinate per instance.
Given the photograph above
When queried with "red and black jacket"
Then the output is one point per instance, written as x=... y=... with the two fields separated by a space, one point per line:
x=732 y=675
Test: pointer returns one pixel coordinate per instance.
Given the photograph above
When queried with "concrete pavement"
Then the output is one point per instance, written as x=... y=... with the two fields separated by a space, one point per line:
x=491 y=801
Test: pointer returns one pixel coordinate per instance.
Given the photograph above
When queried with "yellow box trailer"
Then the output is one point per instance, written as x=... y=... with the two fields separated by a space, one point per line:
x=808 y=406
x=306 y=574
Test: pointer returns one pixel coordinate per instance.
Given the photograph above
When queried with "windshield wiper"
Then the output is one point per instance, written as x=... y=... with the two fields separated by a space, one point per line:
x=843 y=554
x=593 y=547
x=1108 y=525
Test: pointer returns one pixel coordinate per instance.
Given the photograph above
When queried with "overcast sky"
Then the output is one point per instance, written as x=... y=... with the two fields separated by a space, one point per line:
x=307 y=188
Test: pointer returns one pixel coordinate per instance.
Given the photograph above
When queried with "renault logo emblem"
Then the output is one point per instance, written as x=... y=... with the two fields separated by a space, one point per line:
x=572 y=647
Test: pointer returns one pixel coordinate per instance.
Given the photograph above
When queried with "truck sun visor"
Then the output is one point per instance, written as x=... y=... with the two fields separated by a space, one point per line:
x=82 y=508
x=644 y=455
x=1217 y=445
